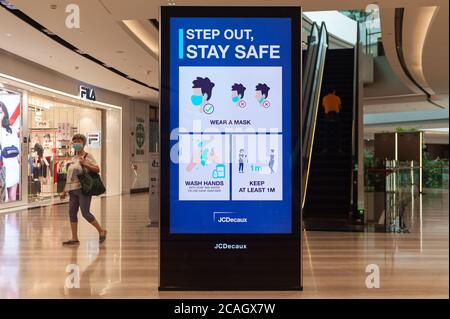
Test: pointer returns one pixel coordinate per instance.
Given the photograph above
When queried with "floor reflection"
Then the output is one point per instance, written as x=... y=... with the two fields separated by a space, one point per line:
x=78 y=281
x=34 y=264
x=9 y=257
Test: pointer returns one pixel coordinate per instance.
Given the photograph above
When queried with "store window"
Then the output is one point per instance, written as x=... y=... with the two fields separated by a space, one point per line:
x=51 y=125
x=10 y=146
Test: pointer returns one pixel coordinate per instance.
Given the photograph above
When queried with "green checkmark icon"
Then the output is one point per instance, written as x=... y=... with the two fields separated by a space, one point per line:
x=208 y=108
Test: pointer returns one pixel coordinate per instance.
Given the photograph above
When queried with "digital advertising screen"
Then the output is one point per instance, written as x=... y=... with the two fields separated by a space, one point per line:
x=230 y=148
x=230 y=122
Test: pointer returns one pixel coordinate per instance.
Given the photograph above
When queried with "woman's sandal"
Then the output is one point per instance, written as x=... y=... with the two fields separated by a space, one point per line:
x=102 y=238
x=71 y=242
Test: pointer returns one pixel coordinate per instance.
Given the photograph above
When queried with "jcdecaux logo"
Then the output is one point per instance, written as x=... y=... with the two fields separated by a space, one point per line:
x=226 y=246
x=230 y=218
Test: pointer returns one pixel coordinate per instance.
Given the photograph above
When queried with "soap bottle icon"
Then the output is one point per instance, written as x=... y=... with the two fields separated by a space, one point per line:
x=219 y=171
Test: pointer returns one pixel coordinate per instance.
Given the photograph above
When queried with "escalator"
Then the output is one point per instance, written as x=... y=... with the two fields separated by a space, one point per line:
x=328 y=177
x=313 y=64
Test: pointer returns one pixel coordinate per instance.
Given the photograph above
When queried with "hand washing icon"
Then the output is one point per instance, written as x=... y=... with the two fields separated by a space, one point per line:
x=219 y=171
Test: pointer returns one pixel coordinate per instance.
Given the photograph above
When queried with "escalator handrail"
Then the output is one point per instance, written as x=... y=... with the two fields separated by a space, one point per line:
x=311 y=105
x=309 y=58
x=310 y=65
x=307 y=98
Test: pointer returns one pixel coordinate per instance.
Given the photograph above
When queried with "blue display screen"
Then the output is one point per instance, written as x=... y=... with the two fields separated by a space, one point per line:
x=230 y=120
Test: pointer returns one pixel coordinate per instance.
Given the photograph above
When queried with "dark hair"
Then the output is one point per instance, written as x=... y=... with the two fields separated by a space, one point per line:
x=79 y=137
x=39 y=150
x=263 y=88
x=205 y=84
x=5 y=121
x=239 y=88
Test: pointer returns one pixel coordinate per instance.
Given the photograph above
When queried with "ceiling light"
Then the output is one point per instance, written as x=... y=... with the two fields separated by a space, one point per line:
x=8 y=34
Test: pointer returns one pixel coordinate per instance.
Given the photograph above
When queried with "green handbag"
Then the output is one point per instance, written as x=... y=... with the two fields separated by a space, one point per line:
x=91 y=183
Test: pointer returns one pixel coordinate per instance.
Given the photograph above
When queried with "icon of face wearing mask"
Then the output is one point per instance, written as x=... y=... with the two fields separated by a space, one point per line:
x=237 y=94
x=262 y=92
x=202 y=91
x=198 y=98
x=259 y=97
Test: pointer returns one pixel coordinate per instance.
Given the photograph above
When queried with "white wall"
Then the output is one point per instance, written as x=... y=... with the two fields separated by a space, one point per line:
x=126 y=150
x=113 y=152
x=90 y=120
x=23 y=69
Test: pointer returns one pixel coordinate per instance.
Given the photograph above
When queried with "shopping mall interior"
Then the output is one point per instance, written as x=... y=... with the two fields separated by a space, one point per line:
x=369 y=190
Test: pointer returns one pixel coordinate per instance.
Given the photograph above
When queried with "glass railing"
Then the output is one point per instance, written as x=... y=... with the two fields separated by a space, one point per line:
x=435 y=174
x=370 y=29
x=390 y=192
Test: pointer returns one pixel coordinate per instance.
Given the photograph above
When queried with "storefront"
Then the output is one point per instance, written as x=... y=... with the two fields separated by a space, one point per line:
x=36 y=129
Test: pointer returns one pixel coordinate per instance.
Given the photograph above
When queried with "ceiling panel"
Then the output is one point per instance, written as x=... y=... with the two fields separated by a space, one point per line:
x=19 y=38
x=100 y=35
x=435 y=53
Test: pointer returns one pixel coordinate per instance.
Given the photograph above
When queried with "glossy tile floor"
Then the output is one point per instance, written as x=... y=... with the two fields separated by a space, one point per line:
x=33 y=264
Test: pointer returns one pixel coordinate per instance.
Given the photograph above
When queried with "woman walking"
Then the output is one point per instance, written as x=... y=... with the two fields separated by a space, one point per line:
x=77 y=200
